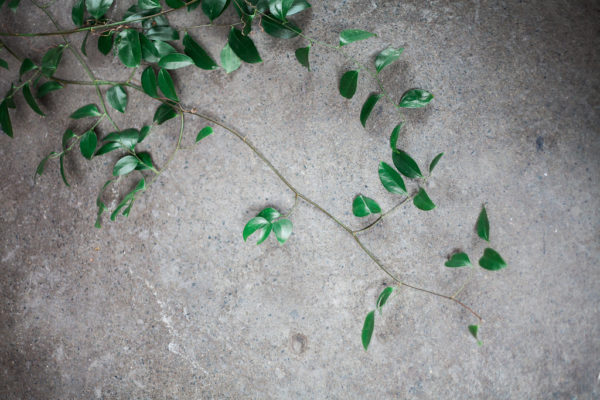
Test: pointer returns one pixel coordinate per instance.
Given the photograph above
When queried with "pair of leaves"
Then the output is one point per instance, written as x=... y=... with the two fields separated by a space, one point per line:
x=89 y=110
x=164 y=82
x=267 y=221
x=363 y=206
x=369 y=324
x=128 y=200
x=126 y=139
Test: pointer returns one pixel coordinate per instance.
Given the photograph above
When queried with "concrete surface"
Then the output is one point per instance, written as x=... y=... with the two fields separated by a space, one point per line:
x=172 y=304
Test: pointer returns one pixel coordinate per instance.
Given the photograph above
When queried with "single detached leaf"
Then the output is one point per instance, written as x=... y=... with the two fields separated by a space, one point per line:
x=253 y=225
x=87 y=144
x=77 y=13
x=204 y=132
x=26 y=66
x=363 y=206
x=129 y=49
x=473 y=330
x=483 y=225
x=149 y=82
x=348 y=84
x=105 y=42
x=30 y=100
x=458 y=260
x=491 y=260
x=48 y=87
x=386 y=57
x=90 y=110
x=229 y=60
x=175 y=61
x=125 y=165
x=51 y=59
x=354 y=35
x=405 y=164
x=391 y=180
x=5 y=119
x=164 y=113
x=302 y=56
x=384 y=296
x=197 y=54
x=367 y=330
x=278 y=29
x=394 y=136
x=213 y=8
x=422 y=201
x=165 y=83
x=117 y=98
x=368 y=107
x=435 y=161
x=97 y=8
x=269 y=213
x=283 y=229
x=148 y=4
x=415 y=98
x=243 y=47
x=61 y=165
x=280 y=8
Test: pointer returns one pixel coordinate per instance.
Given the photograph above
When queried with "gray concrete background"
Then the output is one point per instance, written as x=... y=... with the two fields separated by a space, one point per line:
x=172 y=304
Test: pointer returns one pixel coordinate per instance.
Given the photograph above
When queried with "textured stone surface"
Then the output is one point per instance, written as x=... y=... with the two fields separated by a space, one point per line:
x=171 y=303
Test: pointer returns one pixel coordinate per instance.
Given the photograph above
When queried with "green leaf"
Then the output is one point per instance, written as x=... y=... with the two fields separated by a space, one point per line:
x=31 y=101
x=149 y=82
x=435 y=161
x=90 y=110
x=145 y=131
x=405 y=164
x=353 y=35
x=204 y=132
x=491 y=260
x=105 y=42
x=97 y=8
x=213 y=8
x=391 y=180
x=422 y=201
x=127 y=138
x=26 y=66
x=107 y=148
x=229 y=60
x=253 y=225
x=148 y=4
x=87 y=144
x=270 y=214
x=149 y=51
x=367 y=330
x=129 y=49
x=348 y=84
x=62 y=169
x=163 y=33
x=243 y=47
x=175 y=3
x=165 y=83
x=145 y=162
x=51 y=60
x=394 y=136
x=117 y=98
x=458 y=260
x=386 y=57
x=265 y=233
x=473 y=330
x=125 y=165
x=48 y=87
x=383 y=297
x=77 y=13
x=302 y=56
x=68 y=135
x=280 y=8
x=40 y=168
x=283 y=229
x=415 y=98
x=3 y=63
x=163 y=48
x=298 y=6
x=368 y=107
x=363 y=206
x=175 y=61
x=483 y=225
x=197 y=54
x=5 y=119
x=279 y=29
x=164 y=113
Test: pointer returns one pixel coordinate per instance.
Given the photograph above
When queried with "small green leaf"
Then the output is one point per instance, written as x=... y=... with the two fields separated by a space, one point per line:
x=435 y=161
x=391 y=180
x=473 y=330
x=279 y=29
x=386 y=57
x=97 y=8
x=145 y=162
x=302 y=56
x=48 y=87
x=148 y=4
x=51 y=59
x=164 y=113
x=175 y=3
x=5 y=119
x=283 y=229
x=30 y=100
x=3 y=63
x=269 y=213
x=175 y=61
x=105 y=42
x=265 y=234
x=253 y=225
x=125 y=165
x=483 y=225
x=204 y=132
x=422 y=201
x=368 y=107
x=363 y=206
x=197 y=54
x=280 y=8
x=163 y=33
x=394 y=136
x=367 y=330
x=229 y=60
x=491 y=260
x=26 y=66
x=243 y=47
x=383 y=297
x=415 y=98
x=129 y=49
x=213 y=8
x=348 y=84
x=145 y=131
x=354 y=35
x=62 y=169
x=90 y=110
x=77 y=13
x=165 y=83
x=405 y=164
x=117 y=98
x=149 y=82
x=107 y=148
x=298 y=6
x=87 y=144
x=68 y=135
x=458 y=260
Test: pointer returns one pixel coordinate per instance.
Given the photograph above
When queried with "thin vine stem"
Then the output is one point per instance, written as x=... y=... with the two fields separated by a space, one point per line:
x=382 y=216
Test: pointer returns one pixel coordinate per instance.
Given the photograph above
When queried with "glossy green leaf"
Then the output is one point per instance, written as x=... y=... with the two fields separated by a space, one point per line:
x=26 y=66
x=149 y=51
x=145 y=161
x=458 y=260
x=87 y=144
x=144 y=132
x=197 y=54
x=279 y=29
x=164 y=33
x=164 y=113
x=204 y=132
x=165 y=83
x=48 y=87
x=386 y=57
x=213 y=8
x=90 y=110
x=367 y=330
x=483 y=225
x=127 y=138
x=229 y=60
x=363 y=206
x=422 y=201
x=107 y=148
x=175 y=3
x=125 y=165
x=391 y=180
x=243 y=47
x=348 y=84
x=302 y=56
x=405 y=164
x=394 y=136
x=253 y=225
x=280 y=8
x=175 y=61
x=270 y=214
x=30 y=100
x=138 y=14
x=491 y=260
x=354 y=35
x=77 y=13
x=283 y=229
x=5 y=119
x=149 y=82
x=97 y=8
x=129 y=49
x=435 y=161
x=163 y=48
x=368 y=107
x=105 y=42
x=117 y=98
x=61 y=166
x=265 y=233
x=384 y=296
x=148 y=4
x=415 y=98
x=3 y=63
x=51 y=59
x=298 y=6
x=66 y=137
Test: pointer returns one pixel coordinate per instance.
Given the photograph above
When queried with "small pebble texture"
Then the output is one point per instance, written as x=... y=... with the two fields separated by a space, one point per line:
x=170 y=303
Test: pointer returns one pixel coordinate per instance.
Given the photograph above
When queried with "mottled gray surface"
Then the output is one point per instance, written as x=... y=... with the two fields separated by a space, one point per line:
x=172 y=304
